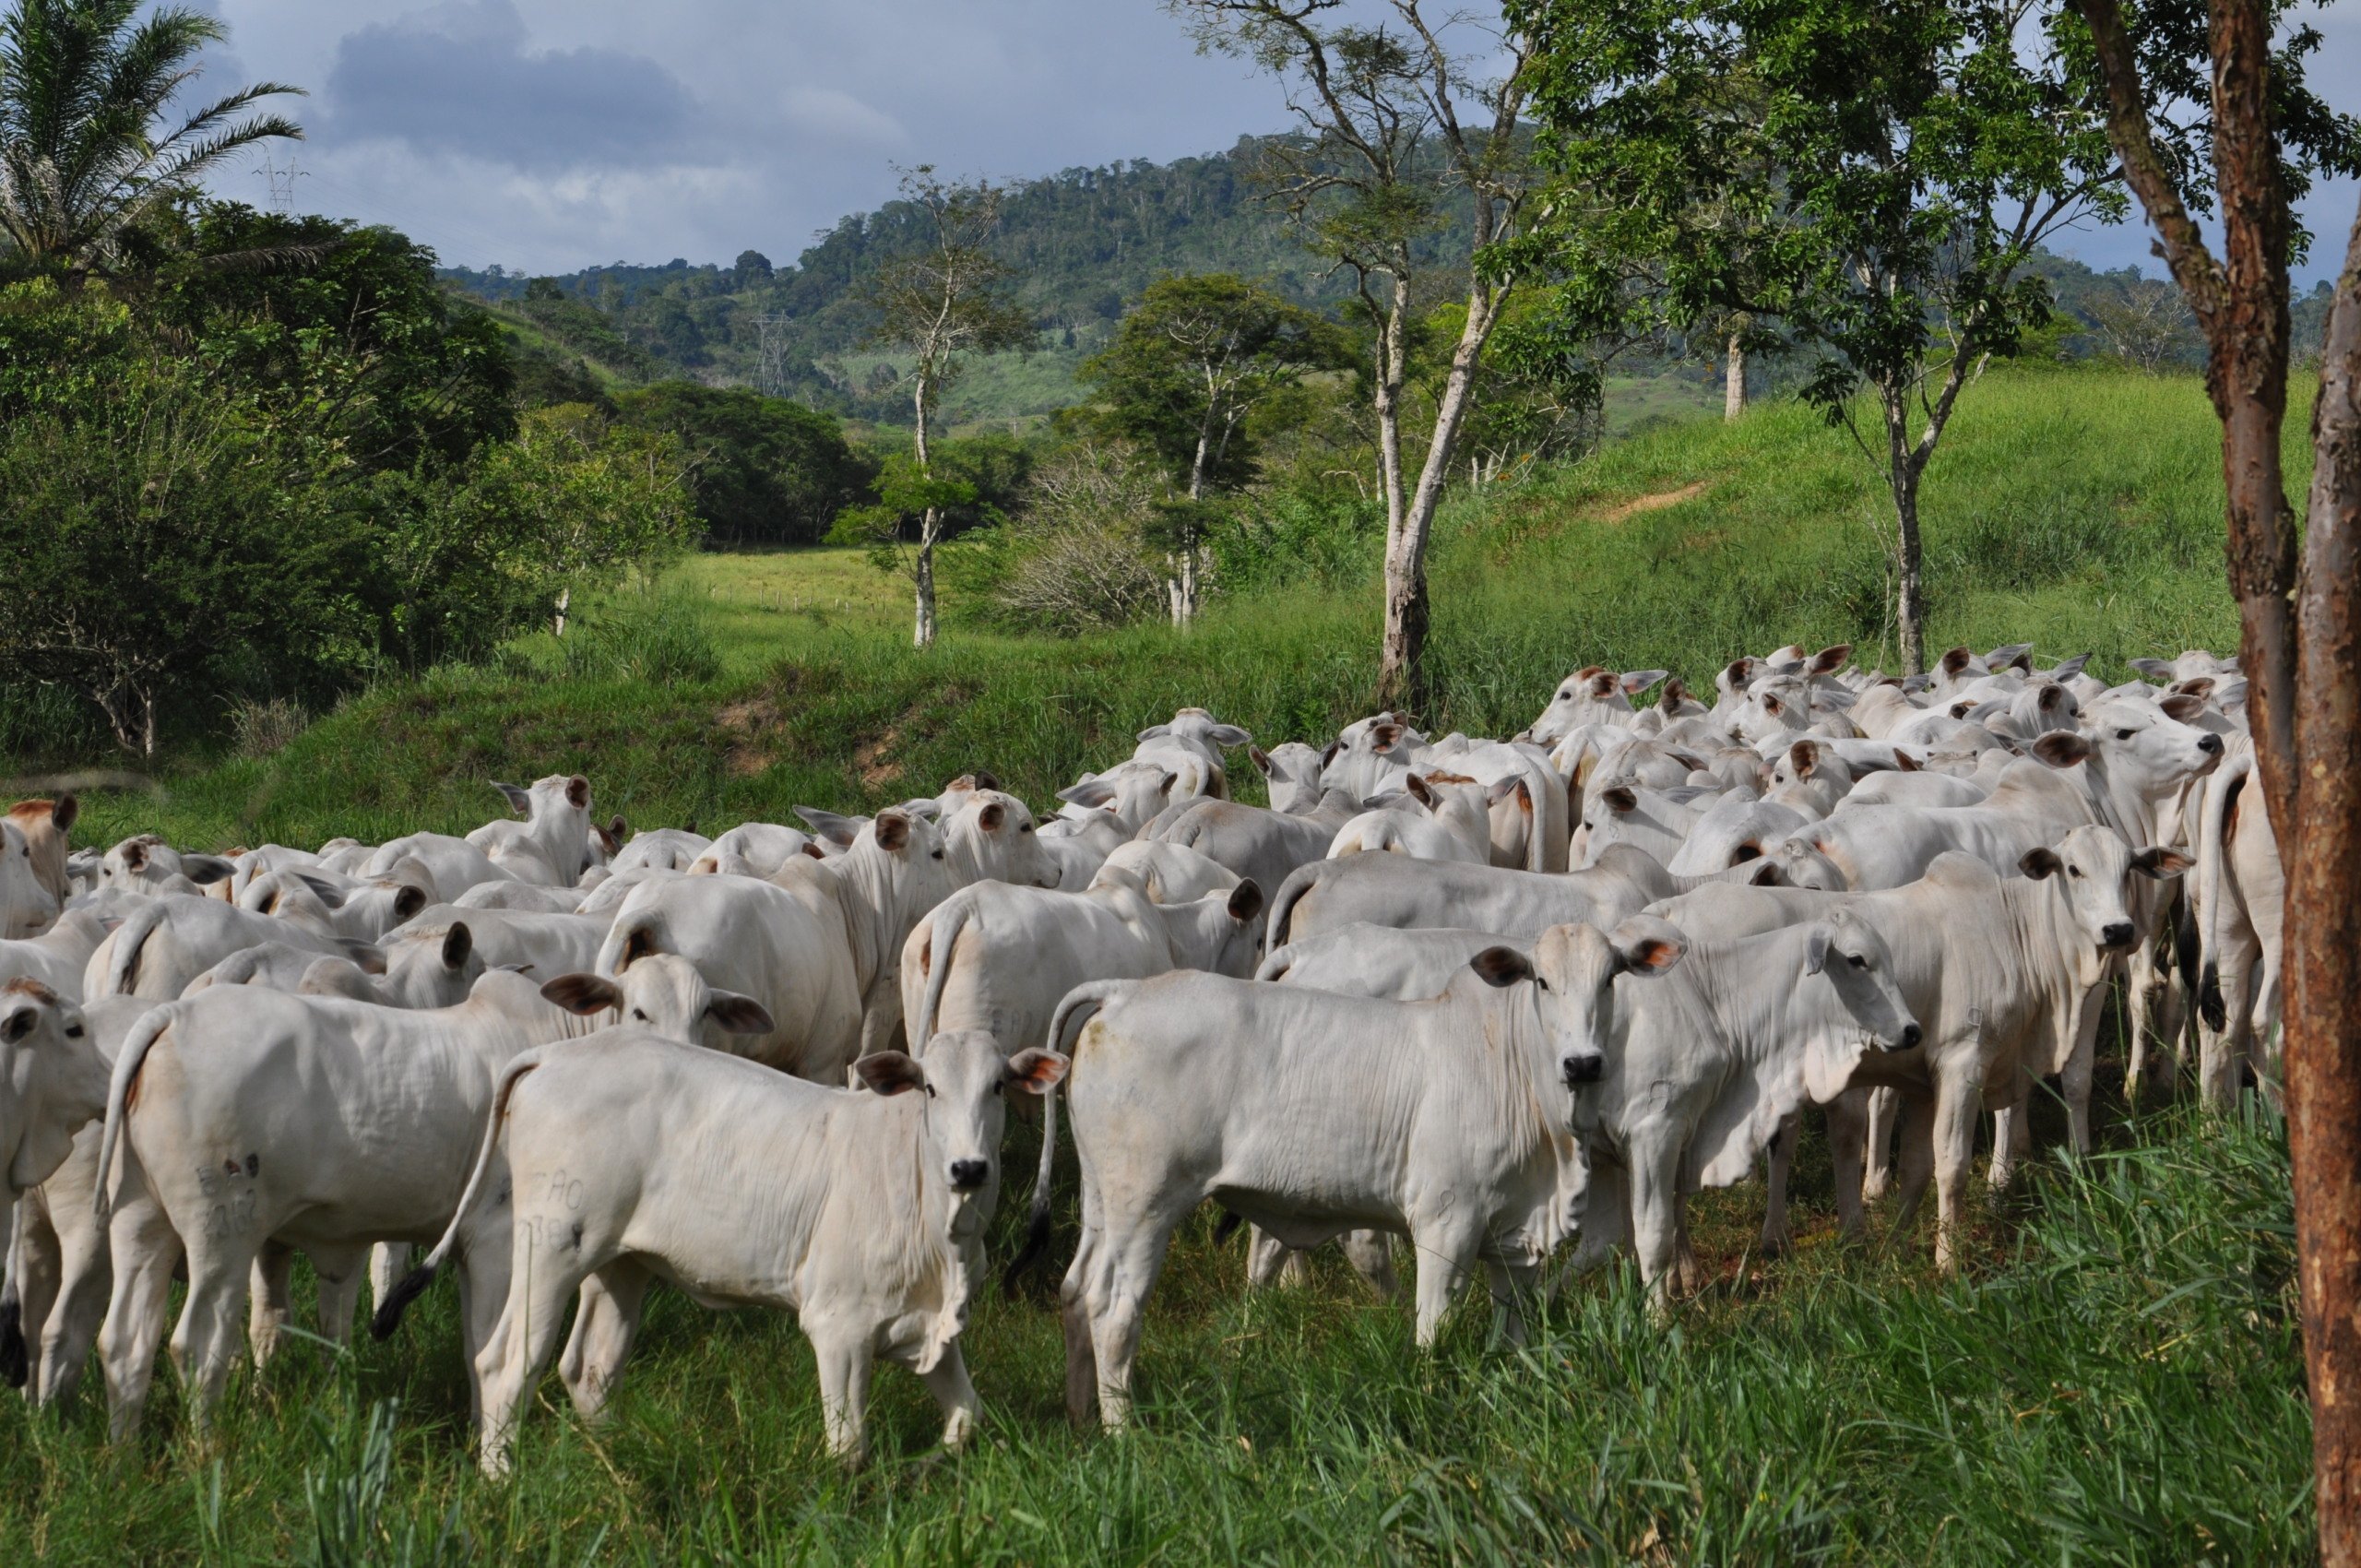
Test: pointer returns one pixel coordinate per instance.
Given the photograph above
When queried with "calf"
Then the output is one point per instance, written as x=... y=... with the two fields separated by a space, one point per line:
x=27 y=906
x=1311 y=1115
x=47 y=826
x=862 y=1213
x=551 y=846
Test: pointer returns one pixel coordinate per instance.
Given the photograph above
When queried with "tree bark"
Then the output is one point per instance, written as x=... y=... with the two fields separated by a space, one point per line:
x=1734 y=380
x=923 y=633
x=2323 y=1018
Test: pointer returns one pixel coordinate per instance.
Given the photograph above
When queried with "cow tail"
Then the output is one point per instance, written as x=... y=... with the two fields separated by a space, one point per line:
x=949 y=919
x=1299 y=882
x=1072 y=1013
x=122 y=967
x=1276 y=963
x=2212 y=854
x=16 y=1358
x=120 y=1086
x=388 y=1316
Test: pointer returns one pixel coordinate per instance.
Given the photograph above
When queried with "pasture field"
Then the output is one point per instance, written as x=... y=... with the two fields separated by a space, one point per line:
x=2115 y=1377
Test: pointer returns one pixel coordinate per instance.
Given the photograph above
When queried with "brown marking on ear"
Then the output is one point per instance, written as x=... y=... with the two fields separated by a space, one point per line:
x=1653 y=954
x=1422 y=792
x=1749 y=850
x=584 y=994
x=890 y=1073
x=458 y=942
x=2199 y=686
x=894 y=827
x=814 y=851
x=1501 y=966
x=1382 y=737
x=1588 y=671
x=1673 y=694
x=1245 y=900
x=638 y=945
x=1771 y=705
x=1604 y=686
x=1956 y=660
x=1735 y=672
x=2060 y=749
x=2038 y=863
x=2051 y=698
x=1904 y=762
x=1034 y=1071
x=2157 y=862
x=1803 y=757
x=1261 y=759
x=1619 y=798
x=577 y=792
x=2181 y=706
x=1830 y=659
x=25 y=985
x=991 y=817
x=739 y=1014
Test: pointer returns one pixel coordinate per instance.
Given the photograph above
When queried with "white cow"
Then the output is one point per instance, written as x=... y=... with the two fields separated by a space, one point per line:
x=58 y=956
x=1591 y=696
x=2241 y=914
x=145 y=864
x=543 y=946
x=46 y=825
x=862 y=1213
x=1169 y=873
x=1438 y=816
x=764 y=846
x=1394 y=890
x=1311 y=1115
x=670 y=848
x=169 y=940
x=551 y=846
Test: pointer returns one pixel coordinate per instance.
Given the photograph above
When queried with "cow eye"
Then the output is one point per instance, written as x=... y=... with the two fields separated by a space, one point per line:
x=2123 y=734
x=1027 y=828
x=1857 y=961
x=1541 y=982
x=938 y=854
x=2074 y=872
x=638 y=1014
x=74 y=1032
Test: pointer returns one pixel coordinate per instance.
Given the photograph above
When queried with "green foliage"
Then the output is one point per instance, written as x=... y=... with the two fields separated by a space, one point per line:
x=906 y=493
x=657 y=638
x=89 y=142
x=765 y=470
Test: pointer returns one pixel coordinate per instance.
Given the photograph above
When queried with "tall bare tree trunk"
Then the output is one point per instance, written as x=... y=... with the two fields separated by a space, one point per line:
x=1733 y=379
x=1401 y=678
x=2323 y=1017
x=930 y=528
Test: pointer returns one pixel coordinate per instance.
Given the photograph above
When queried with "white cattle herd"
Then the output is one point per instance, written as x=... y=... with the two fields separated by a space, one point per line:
x=1504 y=999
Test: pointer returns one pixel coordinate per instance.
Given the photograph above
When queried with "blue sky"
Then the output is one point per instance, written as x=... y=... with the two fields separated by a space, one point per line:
x=547 y=135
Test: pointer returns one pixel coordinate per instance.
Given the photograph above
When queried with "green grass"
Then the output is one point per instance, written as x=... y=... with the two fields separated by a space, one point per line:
x=2118 y=1379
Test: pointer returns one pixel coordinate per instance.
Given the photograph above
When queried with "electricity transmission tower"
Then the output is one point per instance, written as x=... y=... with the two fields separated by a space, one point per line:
x=770 y=372
x=282 y=183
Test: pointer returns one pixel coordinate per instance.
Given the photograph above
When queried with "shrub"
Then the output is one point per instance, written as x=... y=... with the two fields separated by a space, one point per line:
x=657 y=638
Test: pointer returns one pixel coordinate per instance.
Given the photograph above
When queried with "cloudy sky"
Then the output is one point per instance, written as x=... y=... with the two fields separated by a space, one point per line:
x=549 y=135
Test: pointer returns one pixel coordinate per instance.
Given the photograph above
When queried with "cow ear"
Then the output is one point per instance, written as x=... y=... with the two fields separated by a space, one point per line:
x=2182 y=706
x=2068 y=668
x=894 y=827
x=1765 y=874
x=1645 y=945
x=1500 y=790
x=2153 y=669
x=1830 y=659
x=1381 y=737
x=1154 y=732
x=408 y=901
x=1904 y=762
x=1673 y=695
x=1773 y=706
x=518 y=799
x=2199 y=686
x=1245 y=900
x=2160 y=863
x=20 y=1023
x=1816 y=950
x=1166 y=785
x=988 y=819
x=1036 y=1070
x=2040 y=862
x=134 y=856
x=1620 y=798
x=1803 y=757
x=1502 y=966
x=1638 y=681
x=739 y=1015
x=1091 y=793
x=985 y=780
x=458 y=942
x=206 y=870
x=1734 y=673
x=2060 y=749
x=62 y=812
x=1329 y=756
x=1230 y=734
x=577 y=792
x=584 y=994
x=838 y=830
x=1261 y=759
x=1422 y=792
x=890 y=1073
x=2052 y=699
x=1956 y=660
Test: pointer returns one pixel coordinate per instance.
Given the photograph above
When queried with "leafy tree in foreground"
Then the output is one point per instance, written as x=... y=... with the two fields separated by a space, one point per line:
x=1875 y=174
x=89 y=142
x=939 y=305
x=1194 y=359
x=1382 y=147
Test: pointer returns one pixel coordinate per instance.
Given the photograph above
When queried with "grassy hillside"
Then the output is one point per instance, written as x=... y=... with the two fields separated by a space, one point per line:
x=2077 y=508
x=2116 y=1378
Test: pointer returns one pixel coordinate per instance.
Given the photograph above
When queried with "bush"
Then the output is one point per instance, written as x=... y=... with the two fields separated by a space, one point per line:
x=656 y=638
x=1077 y=558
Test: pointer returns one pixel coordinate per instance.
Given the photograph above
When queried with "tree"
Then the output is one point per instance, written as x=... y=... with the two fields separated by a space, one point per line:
x=87 y=143
x=764 y=470
x=939 y=306
x=2142 y=322
x=1190 y=362
x=2263 y=133
x=1875 y=174
x=1382 y=141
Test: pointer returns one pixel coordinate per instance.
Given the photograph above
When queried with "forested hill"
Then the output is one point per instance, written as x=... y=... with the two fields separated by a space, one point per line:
x=1082 y=243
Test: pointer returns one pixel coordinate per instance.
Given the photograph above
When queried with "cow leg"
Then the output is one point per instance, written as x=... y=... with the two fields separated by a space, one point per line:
x=270 y=1299
x=1607 y=1219
x=2011 y=1131
x=204 y=1341
x=1128 y=1260
x=1917 y=1164
x=520 y=1345
x=1656 y=1210
x=2074 y=1083
x=1510 y=1286
x=1074 y=1309
x=1268 y=1259
x=339 y=1271
x=1446 y=1248
x=1849 y=1123
x=947 y=1381
x=1372 y=1254
x=1956 y=1106
x=2266 y=1042
x=84 y=1274
x=143 y=1249
x=844 y=1354
x=1776 y=1238
x=1878 y=1143
x=605 y=1323
x=37 y=1267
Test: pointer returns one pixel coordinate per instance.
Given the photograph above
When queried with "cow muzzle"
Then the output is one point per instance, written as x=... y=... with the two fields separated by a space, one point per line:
x=1912 y=1038
x=2117 y=936
x=966 y=1175
x=1580 y=1070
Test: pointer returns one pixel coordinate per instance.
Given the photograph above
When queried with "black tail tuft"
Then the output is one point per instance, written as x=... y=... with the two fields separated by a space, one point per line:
x=2210 y=1006
x=1228 y=1225
x=388 y=1316
x=16 y=1360
x=2188 y=952
x=1036 y=1245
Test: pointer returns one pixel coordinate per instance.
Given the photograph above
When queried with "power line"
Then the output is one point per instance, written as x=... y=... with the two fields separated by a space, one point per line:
x=282 y=183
